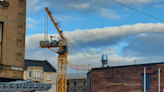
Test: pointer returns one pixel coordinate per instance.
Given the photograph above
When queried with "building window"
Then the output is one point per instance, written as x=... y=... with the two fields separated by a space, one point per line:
x=147 y=81
x=36 y=74
x=29 y=74
x=67 y=84
x=84 y=83
x=74 y=84
x=48 y=76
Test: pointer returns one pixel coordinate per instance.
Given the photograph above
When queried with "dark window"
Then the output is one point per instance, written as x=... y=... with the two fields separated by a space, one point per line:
x=67 y=84
x=74 y=90
x=84 y=83
x=29 y=74
x=75 y=84
x=147 y=81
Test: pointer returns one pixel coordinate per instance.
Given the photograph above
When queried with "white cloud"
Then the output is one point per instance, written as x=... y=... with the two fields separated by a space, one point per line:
x=111 y=32
x=104 y=34
x=32 y=20
x=158 y=6
x=80 y=6
x=109 y=14
x=136 y=2
x=67 y=18
x=32 y=41
x=142 y=34
x=32 y=6
x=30 y=26
x=85 y=8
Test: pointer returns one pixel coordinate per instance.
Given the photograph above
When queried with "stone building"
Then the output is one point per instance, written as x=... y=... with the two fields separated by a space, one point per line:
x=12 y=39
x=40 y=72
x=128 y=78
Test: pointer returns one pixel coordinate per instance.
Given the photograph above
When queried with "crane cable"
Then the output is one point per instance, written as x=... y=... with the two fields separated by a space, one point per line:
x=80 y=52
x=80 y=44
x=45 y=28
x=137 y=10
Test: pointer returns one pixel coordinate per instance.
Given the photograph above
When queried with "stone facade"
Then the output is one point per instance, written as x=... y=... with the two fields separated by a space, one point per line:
x=13 y=20
x=124 y=78
x=41 y=72
x=42 y=78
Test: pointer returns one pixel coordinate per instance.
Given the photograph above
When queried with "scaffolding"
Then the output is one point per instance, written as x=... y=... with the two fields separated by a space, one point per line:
x=23 y=86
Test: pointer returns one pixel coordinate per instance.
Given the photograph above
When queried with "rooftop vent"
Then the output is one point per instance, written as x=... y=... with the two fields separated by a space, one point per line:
x=104 y=60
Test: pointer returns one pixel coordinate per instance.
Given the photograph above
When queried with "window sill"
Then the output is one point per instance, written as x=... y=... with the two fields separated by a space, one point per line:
x=48 y=80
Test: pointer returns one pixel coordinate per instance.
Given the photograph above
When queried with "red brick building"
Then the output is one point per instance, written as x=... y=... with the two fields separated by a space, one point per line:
x=126 y=78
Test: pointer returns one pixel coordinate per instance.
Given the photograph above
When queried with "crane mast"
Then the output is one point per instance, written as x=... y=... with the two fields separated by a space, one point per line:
x=63 y=46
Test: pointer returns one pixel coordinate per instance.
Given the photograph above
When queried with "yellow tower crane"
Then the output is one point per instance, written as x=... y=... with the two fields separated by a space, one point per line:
x=62 y=46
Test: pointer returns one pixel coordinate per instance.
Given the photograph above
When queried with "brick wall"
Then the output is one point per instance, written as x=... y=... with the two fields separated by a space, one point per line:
x=13 y=17
x=124 y=79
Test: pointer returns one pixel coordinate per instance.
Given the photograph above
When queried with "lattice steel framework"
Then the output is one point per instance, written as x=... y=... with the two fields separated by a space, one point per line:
x=62 y=74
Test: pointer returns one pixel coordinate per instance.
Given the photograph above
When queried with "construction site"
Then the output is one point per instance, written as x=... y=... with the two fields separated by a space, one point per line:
x=18 y=74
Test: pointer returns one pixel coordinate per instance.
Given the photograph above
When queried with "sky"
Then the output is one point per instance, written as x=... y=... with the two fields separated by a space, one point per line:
x=96 y=27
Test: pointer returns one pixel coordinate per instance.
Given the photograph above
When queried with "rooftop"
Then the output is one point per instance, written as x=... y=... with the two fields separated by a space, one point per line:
x=45 y=64
x=128 y=66
x=77 y=76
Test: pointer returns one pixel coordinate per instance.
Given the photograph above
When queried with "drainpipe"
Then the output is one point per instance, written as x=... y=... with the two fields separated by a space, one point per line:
x=144 y=79
x=158 y=79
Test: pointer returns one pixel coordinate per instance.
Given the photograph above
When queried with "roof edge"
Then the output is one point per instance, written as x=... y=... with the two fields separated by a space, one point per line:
x=42 y=61
x=34 y=60
x=128 y=66
x=50 y=64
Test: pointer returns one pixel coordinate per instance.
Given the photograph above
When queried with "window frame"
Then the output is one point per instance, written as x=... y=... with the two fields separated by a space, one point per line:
x=148 y=81
x=48 y=77
x=37 y=74
x=29 y=74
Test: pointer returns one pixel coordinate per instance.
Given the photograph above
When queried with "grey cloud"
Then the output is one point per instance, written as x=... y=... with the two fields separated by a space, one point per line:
x=145 y=45
x=102 y=8
x=84 y=7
